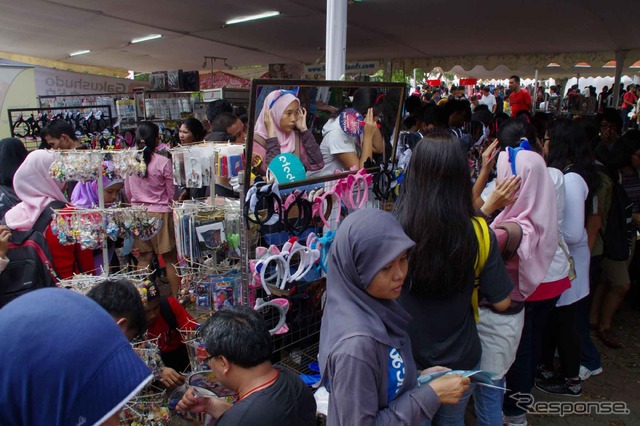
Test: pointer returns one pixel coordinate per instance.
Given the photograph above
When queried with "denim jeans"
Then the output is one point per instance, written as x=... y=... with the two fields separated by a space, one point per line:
x=589 y=355
x=453 y=415
x=488 y=404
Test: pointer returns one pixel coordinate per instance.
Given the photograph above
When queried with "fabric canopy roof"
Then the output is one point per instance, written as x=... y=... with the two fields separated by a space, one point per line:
x=469 y=33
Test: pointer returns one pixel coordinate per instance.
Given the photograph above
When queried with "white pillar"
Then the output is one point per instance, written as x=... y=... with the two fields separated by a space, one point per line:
x=620 y=57
x=336 y=40
x=535 y=91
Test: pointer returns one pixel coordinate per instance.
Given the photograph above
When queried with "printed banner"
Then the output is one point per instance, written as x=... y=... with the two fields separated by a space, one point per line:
x=318 y=71
x=223 y=80
x=57 y=82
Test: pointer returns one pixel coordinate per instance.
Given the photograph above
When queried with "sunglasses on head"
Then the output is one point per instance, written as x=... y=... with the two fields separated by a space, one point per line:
x=293 y=92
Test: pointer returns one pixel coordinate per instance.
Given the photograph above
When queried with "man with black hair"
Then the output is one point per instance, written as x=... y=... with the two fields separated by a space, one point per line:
x=216 y=107
x=239 y=347
x=227 y=127
x=122 y=301
x=59 y=134
x=520 y=100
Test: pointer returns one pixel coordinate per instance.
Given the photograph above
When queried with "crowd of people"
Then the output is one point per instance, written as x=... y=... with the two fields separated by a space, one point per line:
x=510 y=242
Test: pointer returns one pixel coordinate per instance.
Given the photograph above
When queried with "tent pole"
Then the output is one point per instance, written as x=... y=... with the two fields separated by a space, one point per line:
x=620 y=57
x=336 y=39
x=535 y=90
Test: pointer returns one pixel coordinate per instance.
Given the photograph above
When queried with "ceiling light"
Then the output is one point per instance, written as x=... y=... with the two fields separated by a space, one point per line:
x=252 y=17
x=635 y=65
x=610 y=64
x=582 y=65
x=553 y=65
x=79 y=52
x=146 y=38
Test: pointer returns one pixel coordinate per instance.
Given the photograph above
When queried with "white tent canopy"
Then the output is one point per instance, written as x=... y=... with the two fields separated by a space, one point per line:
x=518 y=35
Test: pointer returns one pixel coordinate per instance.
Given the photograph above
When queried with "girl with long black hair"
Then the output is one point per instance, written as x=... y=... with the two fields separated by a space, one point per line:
x=435 y=209
x=155 y=191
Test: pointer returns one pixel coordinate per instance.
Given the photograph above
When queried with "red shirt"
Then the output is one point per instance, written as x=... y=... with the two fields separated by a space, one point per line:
x=629 y=97
x=161 y=328
x=519 y=101
x=68 y=259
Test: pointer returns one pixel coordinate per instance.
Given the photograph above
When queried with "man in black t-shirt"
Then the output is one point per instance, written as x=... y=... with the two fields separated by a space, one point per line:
x=239 y=345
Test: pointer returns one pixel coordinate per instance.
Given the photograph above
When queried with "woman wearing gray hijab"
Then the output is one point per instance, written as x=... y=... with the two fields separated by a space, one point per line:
x=365 y=353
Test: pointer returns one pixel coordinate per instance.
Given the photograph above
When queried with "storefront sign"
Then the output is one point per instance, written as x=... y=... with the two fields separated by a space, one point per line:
x=367 y=67
x=57 y=82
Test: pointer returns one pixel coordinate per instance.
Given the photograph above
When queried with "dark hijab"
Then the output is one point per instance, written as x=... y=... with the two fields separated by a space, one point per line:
x=367 y=241
x=12 y=154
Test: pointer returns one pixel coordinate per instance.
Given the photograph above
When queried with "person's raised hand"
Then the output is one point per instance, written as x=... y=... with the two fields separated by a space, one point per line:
x=503 y=195
x=450 y=388
x=370 y=125
x=269 y=124
x=5 y=237
x=490 y=154
x=301 y=120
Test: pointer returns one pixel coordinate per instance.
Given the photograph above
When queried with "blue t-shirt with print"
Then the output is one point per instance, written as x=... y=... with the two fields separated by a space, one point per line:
x=396 y=373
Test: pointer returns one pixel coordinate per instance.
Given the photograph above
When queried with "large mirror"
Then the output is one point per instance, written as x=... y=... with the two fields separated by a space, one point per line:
x=305 y=131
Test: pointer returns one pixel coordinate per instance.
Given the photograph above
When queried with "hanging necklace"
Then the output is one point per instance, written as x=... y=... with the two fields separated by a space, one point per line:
x=262 y=386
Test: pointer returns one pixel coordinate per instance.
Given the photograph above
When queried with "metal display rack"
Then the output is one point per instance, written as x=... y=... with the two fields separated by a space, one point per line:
x=27 y=123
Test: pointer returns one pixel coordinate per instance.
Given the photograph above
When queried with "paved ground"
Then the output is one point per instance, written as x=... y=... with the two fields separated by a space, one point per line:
x=620 y=381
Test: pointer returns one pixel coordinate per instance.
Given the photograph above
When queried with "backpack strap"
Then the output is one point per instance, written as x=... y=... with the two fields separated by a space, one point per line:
x=484 y=245
x=167 y=313
x=46 y=215
x=514 y=238
x=169 y=317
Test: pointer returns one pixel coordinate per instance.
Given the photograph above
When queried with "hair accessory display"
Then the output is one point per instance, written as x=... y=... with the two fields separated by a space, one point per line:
x=282 y=307
x=86 y=165
x=263 y=196
x=82 y=283
x=90 y=227
x=147 y=408
x=275 y=267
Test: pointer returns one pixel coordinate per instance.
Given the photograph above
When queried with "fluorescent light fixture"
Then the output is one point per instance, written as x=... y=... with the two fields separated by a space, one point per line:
x=79 y=52
x=146 y=38
x=582 y=65
x=553 y=65
x=252 y=17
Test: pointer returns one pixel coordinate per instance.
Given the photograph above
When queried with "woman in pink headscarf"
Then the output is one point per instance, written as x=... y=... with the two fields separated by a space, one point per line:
x=281 y=127
x=513 y=339
x=38 y=190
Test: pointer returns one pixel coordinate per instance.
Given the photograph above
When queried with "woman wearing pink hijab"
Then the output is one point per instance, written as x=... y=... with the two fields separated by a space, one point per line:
x=281 y=127
x=37 y=190
x=507 y=338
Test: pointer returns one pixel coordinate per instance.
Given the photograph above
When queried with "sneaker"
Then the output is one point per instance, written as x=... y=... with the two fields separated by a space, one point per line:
x=542 y=373
x=520 y=420
x=585 y=373
x=561 y=386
